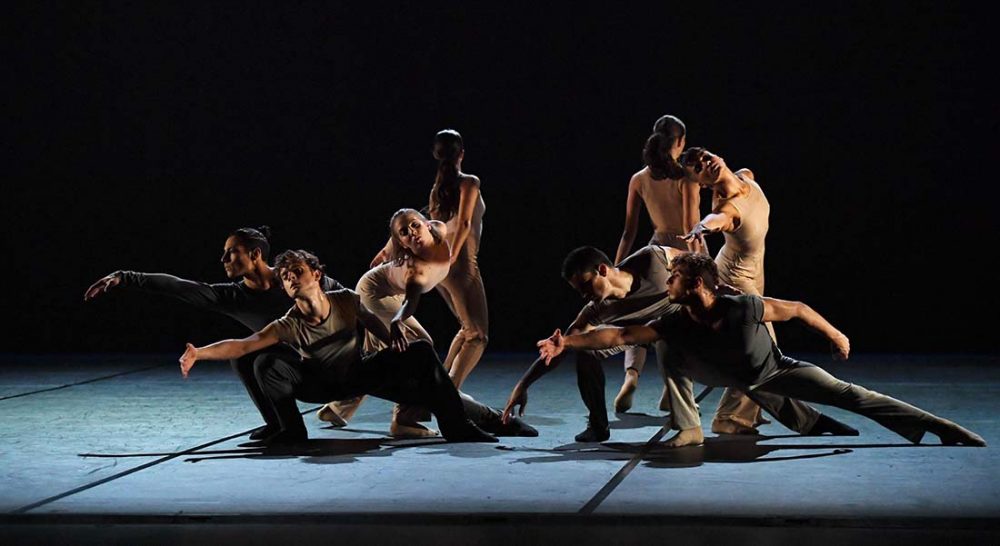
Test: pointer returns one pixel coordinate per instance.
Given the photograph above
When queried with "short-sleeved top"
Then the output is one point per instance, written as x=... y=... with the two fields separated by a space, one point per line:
x=741 y=348
x=647 y=300
x=334 y=342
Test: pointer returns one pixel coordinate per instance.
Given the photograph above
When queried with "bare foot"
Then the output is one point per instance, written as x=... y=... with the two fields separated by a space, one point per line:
x=330 y=415
x=623 y=402
x=410 y=430
x=686 y=437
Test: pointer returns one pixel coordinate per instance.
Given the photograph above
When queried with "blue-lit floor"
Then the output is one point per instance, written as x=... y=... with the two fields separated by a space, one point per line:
x=120 y=448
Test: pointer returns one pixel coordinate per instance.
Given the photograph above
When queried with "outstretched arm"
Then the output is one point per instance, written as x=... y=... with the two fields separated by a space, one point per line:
x=722 y=219
x=601 y=338
x=467 y=198
x=519 y=395
x=691 y=204
x=228 y=349
x=776 y=310
x=633 y=205
x=198 y=294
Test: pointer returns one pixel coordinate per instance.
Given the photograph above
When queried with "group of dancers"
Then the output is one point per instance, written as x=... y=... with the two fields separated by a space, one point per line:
x=706 y=319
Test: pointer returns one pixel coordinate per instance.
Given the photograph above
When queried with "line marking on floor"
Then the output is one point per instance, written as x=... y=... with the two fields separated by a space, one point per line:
x=68 y=385
x=623 y=473
x=133 y=470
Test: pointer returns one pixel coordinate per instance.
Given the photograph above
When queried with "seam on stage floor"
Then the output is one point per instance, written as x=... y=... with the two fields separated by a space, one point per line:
x=93 y=380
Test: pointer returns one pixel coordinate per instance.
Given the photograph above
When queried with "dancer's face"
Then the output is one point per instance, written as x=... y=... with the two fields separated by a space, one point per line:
x=235 y=259
x=706 y=169
x=679 y=288
x=592 y=285
x=413 y=232
x=298 y=277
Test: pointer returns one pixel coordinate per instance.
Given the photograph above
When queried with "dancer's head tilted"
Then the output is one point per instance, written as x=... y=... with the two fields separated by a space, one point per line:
x=690 y=273
x=449 y=151
x=703 y=167
x=299 y=270
x=664 y=146
x=412 y=233
x=245 y=250
x=586 y=269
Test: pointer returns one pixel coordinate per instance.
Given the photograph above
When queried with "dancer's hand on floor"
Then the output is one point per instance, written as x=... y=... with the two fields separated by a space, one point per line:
x=551 y=347
x=188 y=359
x=518 y=397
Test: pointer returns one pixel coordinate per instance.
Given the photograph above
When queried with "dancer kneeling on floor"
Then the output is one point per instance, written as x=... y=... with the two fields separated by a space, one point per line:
x=723 y=341
x=326 y=328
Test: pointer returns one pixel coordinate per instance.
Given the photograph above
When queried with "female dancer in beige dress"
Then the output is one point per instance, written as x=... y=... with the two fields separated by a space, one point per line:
x=740 y=211
x=672 y=203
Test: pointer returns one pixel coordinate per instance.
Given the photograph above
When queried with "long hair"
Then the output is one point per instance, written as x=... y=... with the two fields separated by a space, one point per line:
x=667 y=131
x=445 y=193
x=399 y=252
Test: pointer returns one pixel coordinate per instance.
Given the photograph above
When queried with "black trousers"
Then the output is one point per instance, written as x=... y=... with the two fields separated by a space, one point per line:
x=244 y=368
x=414 y=376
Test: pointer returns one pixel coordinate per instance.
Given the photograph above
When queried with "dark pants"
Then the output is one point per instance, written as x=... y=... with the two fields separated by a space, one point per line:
x=414 y=376
x=244 y=368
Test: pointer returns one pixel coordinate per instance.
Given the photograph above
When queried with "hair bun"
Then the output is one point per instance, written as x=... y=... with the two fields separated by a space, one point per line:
x=265 y=231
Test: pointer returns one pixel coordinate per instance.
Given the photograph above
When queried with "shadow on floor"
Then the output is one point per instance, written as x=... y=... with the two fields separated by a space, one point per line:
x=730 y=449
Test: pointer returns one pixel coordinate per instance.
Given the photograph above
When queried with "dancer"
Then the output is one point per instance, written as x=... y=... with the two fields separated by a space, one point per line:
x=326 y=329
x=632 y=293
x=672 y=203
x=392 y=291
x=723 y=340
x=456 y=200
x=740 y=211
x=254 y=299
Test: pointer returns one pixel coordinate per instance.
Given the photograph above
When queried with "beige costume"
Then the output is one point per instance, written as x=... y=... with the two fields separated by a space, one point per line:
x=741 y=264
x=465 y=295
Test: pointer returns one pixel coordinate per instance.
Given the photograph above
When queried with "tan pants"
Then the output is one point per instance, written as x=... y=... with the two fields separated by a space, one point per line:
x=465 y=295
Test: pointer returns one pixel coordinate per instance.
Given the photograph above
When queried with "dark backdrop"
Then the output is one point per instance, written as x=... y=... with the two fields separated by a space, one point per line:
x=141 y=133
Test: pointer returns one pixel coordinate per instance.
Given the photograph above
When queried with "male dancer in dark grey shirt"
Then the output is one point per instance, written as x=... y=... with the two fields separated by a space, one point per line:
x=633 y=293
x=255 y=301
x=722 y=340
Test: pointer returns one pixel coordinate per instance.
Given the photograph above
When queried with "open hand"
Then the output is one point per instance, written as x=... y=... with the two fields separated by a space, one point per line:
x=551 y=347
x=188 y=359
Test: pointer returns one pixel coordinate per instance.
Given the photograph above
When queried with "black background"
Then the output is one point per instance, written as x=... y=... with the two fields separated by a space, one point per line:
x=140 y=134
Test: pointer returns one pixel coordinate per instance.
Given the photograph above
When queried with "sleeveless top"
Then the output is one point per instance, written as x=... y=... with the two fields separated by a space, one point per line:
x=664 y=202
x=741 y=258
x=467 y=255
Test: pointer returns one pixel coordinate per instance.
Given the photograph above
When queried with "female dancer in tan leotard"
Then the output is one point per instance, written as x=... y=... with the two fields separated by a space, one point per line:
x=418 y=258
x=740 y=211
x=672 y=203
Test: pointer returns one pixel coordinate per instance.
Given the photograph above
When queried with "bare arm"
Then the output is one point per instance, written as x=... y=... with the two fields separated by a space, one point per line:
x=468 y=197
x=397 y=336
x=633 y=206
x=601 y=338
x=227 y=349
x=723 y=218
x=519 y=395
x=383 y=255
x=776 y=310
x=691 y=205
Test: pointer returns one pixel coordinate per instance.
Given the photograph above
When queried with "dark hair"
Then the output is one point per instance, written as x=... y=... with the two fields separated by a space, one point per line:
x=398 y=252
x=692 y=158
x=696 y=265
x=445 y=193
x=585 y=259
x=252 y=238
x=289 y=258
x=667 y=131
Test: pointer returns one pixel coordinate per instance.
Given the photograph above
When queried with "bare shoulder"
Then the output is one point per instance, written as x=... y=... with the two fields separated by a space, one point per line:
x=469 y=180
x=747 y=173
x=639 y=176
x=440 y=226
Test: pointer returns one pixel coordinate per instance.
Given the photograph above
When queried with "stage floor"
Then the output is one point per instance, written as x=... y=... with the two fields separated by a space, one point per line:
x=105 y=449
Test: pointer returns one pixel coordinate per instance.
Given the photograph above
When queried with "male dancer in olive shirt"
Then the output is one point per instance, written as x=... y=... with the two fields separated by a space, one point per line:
x=723 y=341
